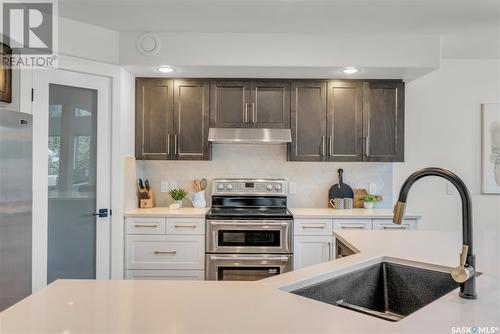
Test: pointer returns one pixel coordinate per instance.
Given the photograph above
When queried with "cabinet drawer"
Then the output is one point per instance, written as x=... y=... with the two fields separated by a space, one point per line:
x=165 y=252
x=185 y=226
x=387 y=224
x=169 y=275
x=312 y=226
x=145 y=225
x=352 y=224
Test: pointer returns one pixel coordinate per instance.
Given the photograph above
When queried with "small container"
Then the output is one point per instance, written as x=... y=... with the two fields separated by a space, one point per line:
x=348 y=203
x=338 y=203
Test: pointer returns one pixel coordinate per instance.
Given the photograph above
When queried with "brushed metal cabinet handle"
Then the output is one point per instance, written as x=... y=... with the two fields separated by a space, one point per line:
x=185 y=226
x=329 y=251
x=347 y=227
x=176 y=145
x=145 y=225
x=165 y=252
x=323 y=146
x=245 y=114
x=168 y=144
x=254 y=114
x=367 y=145
x=330 y=146
x=321 y=226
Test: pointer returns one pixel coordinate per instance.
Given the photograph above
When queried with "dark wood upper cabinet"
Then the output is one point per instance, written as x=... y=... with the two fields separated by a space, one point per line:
x=229 y=103
x=345 y=121
x=172 y=119
x=154 y=118
x=384 y=120
x=308 y=121
x=270 y=104
x=191 y=117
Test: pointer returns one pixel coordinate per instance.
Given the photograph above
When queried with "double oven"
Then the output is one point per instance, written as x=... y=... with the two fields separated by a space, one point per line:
x=249 y=230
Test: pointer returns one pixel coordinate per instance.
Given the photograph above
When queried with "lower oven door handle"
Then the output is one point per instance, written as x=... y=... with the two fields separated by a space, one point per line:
x=248 y=224
x=277 y=258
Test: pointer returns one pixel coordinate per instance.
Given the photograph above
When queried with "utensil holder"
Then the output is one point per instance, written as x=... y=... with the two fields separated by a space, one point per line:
x=198 y=199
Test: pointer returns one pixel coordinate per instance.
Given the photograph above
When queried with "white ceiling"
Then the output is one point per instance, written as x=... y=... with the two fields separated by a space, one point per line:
x=288 y=16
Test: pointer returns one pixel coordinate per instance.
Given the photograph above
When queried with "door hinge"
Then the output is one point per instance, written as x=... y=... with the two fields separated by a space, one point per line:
x=32 y=94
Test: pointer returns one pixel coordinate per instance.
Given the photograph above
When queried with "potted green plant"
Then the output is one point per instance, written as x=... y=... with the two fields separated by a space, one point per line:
x=177 y=195
x=370 y=200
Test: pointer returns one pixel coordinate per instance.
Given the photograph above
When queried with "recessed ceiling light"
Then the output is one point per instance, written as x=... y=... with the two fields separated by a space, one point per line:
x=350 y=70
x=165 y=69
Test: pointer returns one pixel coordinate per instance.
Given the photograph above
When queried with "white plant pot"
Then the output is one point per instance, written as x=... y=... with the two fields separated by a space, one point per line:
x=179 y=203
x=368 y=205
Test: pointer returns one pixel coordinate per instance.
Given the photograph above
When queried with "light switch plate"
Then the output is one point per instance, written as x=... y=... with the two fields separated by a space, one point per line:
x=164 y=186
x=372 y=188
x=292 y=188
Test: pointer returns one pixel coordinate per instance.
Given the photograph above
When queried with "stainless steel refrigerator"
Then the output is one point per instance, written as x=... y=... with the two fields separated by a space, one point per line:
x=15 y=206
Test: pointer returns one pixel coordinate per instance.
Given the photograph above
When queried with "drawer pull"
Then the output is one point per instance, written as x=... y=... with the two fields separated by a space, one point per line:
x=353 y=227
x=313 y=226
x=394 y=227
x=166 y=252
x=146 y=225
x=185 y=226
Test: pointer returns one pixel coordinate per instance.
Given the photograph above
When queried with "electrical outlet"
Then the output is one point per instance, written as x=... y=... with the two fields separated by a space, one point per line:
x=450 y=189
x=372 y=188
x=164 y=186
x=292 y=188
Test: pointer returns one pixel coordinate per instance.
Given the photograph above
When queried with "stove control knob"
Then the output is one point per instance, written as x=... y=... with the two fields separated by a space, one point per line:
x=229 y=187
x=278 y=186
x=220 y=186
x=269 y=187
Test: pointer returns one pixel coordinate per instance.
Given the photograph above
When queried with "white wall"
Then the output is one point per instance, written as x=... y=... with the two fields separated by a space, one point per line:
x=443 y=129
x=313 y=179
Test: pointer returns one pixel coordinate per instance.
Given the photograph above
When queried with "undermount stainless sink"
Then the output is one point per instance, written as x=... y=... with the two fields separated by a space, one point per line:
x=385 y=290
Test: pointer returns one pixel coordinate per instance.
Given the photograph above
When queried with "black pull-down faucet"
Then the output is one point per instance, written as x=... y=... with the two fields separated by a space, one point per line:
x=463 y=274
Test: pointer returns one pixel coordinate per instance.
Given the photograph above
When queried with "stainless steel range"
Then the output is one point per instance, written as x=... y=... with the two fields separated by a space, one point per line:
x=249 y=230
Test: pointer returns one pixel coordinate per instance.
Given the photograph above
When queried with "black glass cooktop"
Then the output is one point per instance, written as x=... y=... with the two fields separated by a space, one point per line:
x=249 y=213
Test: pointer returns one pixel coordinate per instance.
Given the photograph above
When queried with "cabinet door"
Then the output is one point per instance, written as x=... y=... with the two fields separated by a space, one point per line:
x=310 y=250
x=229 y=103
x=345 y=121
x=270 y=104
x=384 y=120
x=191 y=117
x=308 y=121
x=154 y=118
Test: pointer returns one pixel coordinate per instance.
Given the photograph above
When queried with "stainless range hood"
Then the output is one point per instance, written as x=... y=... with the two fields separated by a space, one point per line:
x=249 y=136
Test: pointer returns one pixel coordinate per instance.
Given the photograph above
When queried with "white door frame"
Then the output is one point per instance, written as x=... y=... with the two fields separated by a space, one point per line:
x=41 y=80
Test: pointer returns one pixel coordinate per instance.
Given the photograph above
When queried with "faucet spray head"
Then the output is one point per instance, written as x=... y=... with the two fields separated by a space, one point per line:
x=399 y=212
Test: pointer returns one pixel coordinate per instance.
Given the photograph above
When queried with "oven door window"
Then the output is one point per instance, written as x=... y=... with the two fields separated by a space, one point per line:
x=246 y=273
x=249 y=238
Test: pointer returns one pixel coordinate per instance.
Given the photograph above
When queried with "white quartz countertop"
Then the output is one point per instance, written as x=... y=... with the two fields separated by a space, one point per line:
x=347 y=213
x=85 y=306
x=166 y=212
x=297 y=213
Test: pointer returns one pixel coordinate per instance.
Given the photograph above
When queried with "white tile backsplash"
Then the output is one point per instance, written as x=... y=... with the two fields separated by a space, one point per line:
x=312 y=179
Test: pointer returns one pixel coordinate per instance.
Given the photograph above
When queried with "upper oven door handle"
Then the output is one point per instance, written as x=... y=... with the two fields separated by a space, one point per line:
x=248 y=223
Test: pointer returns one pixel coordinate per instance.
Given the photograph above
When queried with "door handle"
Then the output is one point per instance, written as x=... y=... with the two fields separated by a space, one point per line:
x=102 y=213
x=367 y=145
x=249 y=258
x=321 y=226
x=165 y=252
x=329 y=251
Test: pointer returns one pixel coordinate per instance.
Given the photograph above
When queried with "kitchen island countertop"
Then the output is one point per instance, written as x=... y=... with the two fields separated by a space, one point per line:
x=76 y=306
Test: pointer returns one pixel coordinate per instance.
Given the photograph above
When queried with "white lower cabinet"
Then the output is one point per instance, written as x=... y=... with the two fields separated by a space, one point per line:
x=312 y=249
x=165 y=248
x=169 y=275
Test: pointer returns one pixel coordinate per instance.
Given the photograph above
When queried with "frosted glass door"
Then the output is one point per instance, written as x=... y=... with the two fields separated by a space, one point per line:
x=72 y=147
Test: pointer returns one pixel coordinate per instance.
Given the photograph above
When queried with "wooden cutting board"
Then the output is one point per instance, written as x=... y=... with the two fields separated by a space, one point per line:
x=358 y=195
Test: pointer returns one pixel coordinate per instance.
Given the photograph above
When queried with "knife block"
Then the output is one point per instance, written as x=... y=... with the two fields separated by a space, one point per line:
x=147 y=202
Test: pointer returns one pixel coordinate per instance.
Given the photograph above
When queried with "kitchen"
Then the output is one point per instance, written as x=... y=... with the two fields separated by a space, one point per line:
x=197 y=148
